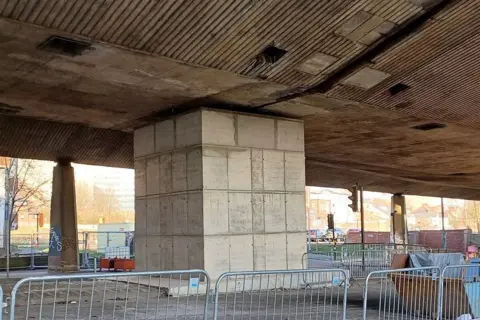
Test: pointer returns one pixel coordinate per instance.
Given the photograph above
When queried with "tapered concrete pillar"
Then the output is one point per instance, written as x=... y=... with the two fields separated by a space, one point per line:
x=399 y=219
x=63 y=251
x=220 y=191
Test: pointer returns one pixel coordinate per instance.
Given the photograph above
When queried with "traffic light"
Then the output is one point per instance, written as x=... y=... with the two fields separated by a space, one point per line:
x=354 y=198
x=330 y=221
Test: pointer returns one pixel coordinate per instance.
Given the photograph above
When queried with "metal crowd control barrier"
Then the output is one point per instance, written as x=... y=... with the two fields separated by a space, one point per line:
x=460 y=292
x=305 y=294
x=1 y=303
x=30 y=251
x=359 y=263
x=132 y=295
x=311 y=260
x=402 y=294
x=349 y=247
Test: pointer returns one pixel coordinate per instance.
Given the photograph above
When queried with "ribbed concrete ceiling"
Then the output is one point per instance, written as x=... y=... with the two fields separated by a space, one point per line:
x=440 y=64
x=48 y=140
x=360 y=73
x=225 y=35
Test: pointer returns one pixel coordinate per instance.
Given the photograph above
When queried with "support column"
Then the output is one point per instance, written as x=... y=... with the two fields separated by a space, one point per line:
x=63 y=253
x=220 y=191
x=399 y=219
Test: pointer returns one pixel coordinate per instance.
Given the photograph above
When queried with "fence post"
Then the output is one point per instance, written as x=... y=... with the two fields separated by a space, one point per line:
x=32 y=255
x=440 y=295
x=1 y=303
x=85 y=253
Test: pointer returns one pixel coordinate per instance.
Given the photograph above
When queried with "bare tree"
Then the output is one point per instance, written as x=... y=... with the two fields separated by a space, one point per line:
x=27 y=185
x=85 y=208
x=106 y=205
x=94 y=203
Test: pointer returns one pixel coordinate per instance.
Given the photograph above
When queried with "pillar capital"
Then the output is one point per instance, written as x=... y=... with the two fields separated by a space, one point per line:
x=64 y=162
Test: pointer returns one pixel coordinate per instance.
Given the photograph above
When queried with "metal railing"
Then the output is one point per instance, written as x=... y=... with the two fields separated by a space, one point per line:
x=31 y=250
x=359 y=263
x=459 y=292
x=348 y=247
x=27 y=250
x=133 y=295
x=106 y=244
x=402 y=294
x=286 y=294
x=412 y=293
x=1 y=303
x=423 y=293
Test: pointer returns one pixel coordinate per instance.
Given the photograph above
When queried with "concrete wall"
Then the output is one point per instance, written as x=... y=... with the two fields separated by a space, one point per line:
x=220 y=191
x=457 y=240
x=370 y=237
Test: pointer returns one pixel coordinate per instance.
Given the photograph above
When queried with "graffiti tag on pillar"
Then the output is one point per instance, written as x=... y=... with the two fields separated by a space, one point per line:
x=129 y=238
x=55 y=245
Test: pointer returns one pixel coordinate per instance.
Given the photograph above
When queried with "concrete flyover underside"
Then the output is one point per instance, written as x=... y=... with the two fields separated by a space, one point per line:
x=361 y=75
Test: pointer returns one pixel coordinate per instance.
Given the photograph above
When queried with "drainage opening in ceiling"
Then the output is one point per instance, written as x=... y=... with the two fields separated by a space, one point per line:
x=429 y=126
x=66 y=46
x=263 y=62
x=272 y=54
x=396 y=89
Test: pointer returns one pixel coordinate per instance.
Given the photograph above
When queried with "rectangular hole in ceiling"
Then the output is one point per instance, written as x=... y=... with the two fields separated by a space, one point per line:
x=272 y=54
x=430 y=126
x=396 y=89
x=65 y=46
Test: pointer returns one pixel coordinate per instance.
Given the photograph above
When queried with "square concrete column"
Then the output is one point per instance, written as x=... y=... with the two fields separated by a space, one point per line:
x=220 y=191
x=399 y=220
x=63 y=245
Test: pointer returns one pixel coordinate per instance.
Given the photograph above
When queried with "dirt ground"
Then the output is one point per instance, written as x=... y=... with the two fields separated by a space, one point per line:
x=118 y=300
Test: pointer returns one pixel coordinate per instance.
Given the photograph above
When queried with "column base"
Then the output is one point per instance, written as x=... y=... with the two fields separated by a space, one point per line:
x=55 y=266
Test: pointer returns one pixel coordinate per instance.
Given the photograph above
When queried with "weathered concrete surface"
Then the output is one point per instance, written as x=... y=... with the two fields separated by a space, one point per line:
x=226 y=195
x=63 y=253
x=141 y=69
